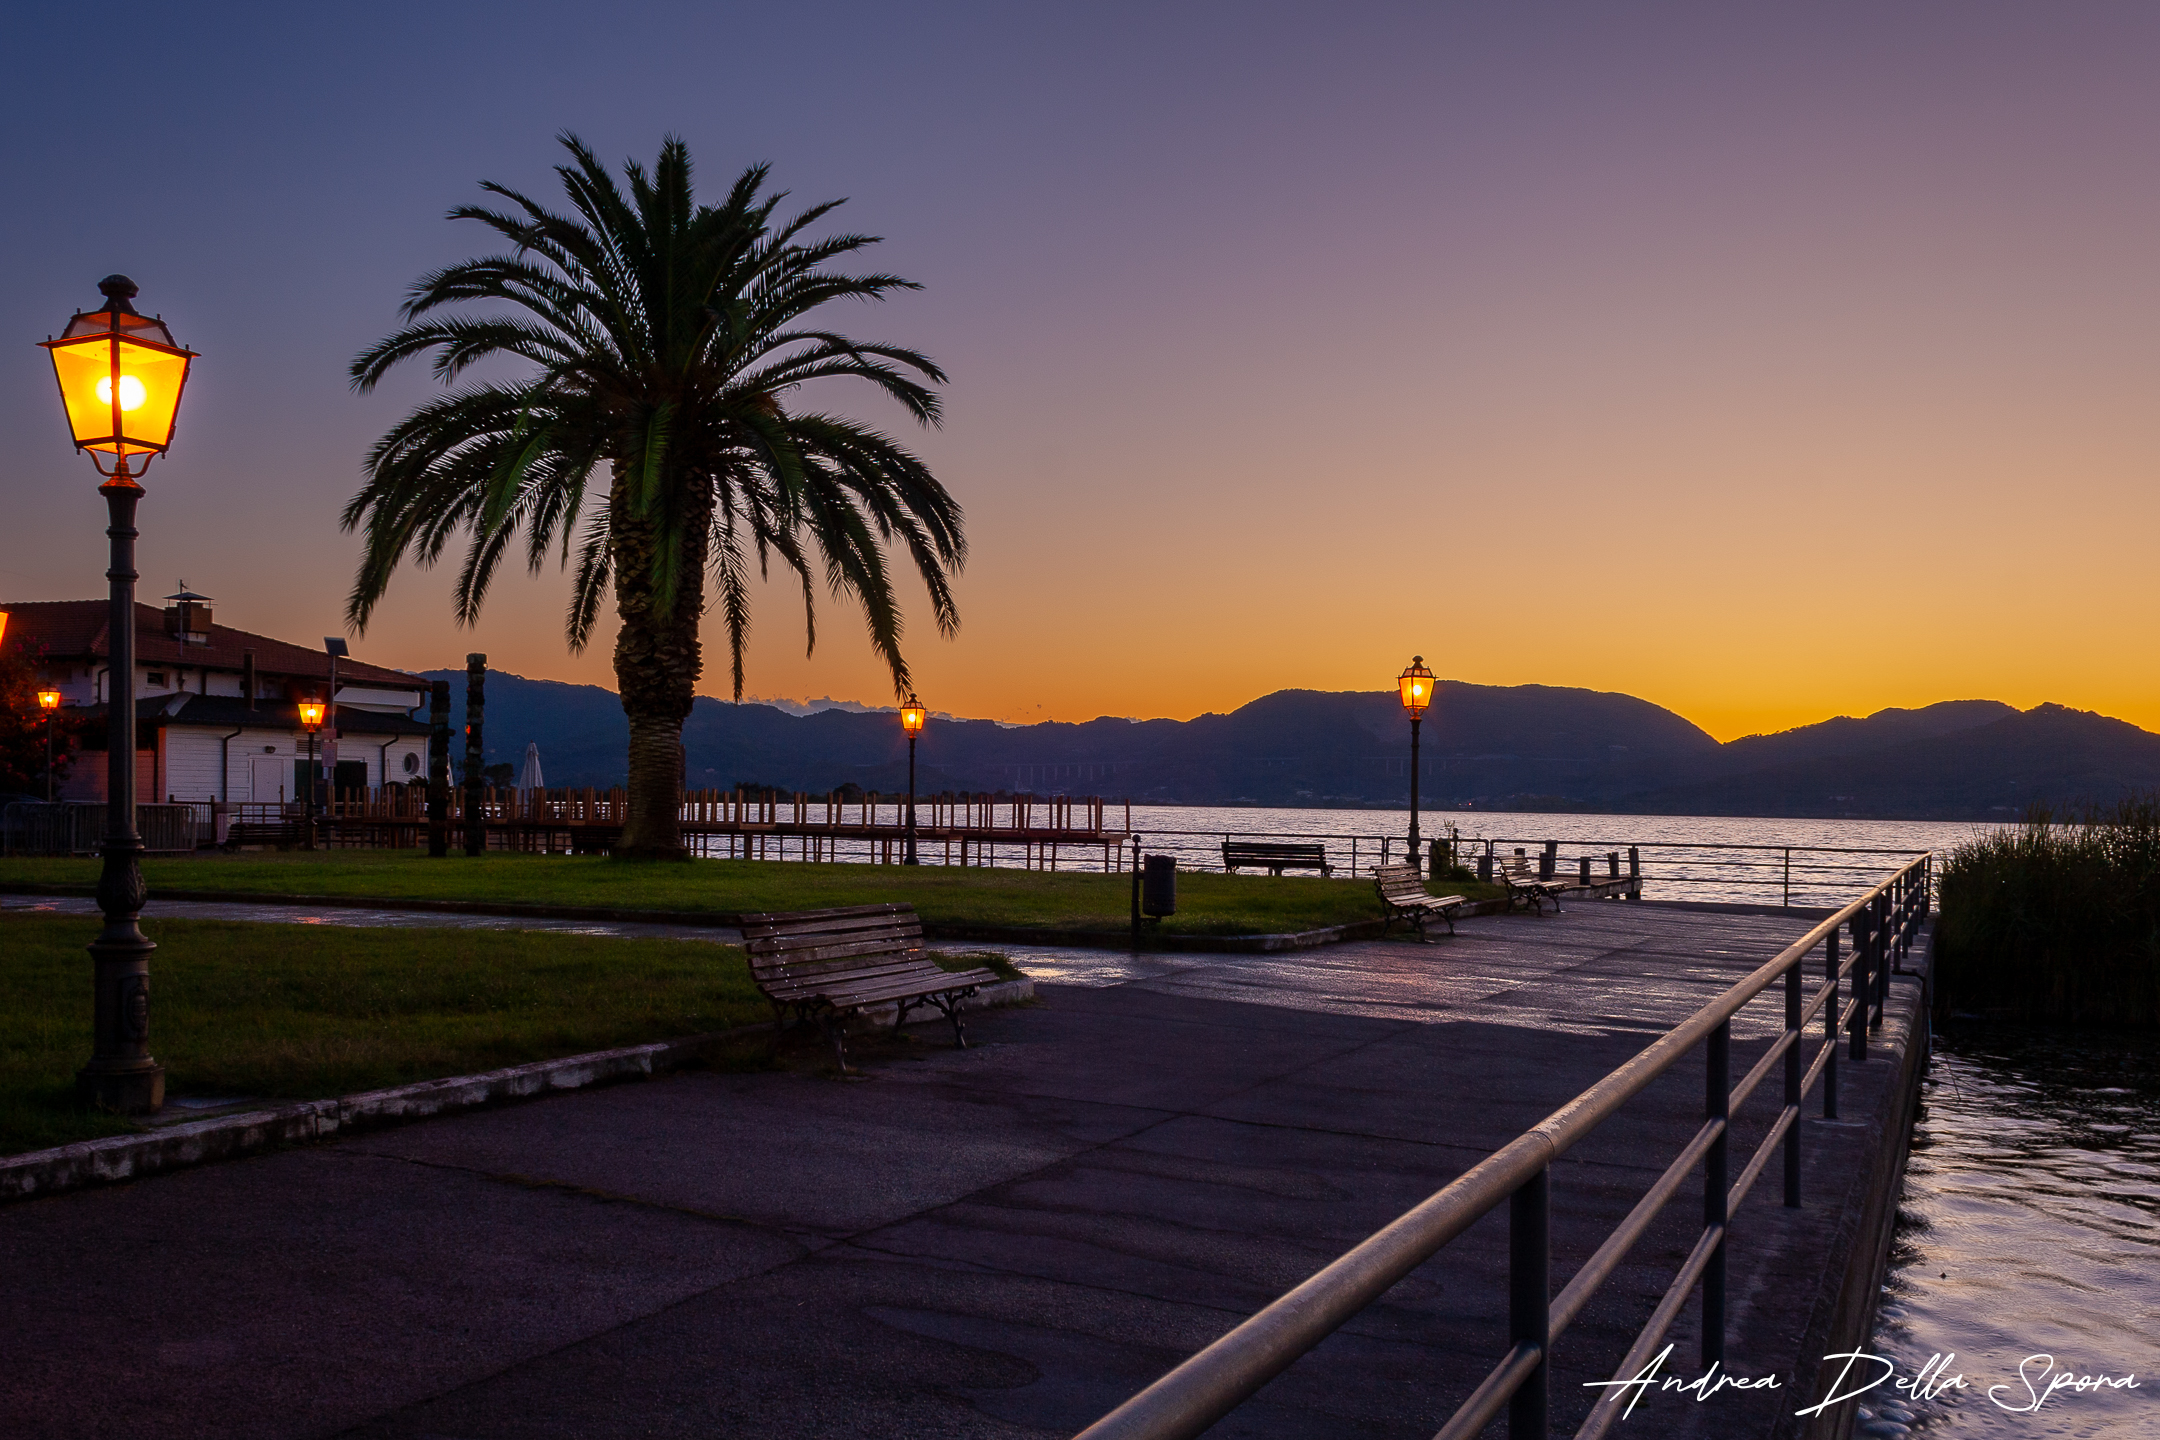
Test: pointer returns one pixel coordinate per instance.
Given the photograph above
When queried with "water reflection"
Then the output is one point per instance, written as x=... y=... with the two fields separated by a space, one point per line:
x=2030 y=1225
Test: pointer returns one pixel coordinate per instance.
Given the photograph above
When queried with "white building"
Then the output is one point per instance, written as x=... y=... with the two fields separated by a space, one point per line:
x=217 y=709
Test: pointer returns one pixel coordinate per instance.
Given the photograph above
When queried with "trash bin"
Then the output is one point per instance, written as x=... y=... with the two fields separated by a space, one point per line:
x=1158 y=886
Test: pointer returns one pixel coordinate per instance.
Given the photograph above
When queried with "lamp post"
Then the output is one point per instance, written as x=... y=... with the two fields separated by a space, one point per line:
x=49 y=701
x=121 y=376
x=1417 y=688
x=911 y=720
x=311 y=716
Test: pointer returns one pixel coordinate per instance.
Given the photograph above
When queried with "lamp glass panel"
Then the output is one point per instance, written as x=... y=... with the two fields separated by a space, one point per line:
x=150 y=384
x=48 y=699
x=1416 y=691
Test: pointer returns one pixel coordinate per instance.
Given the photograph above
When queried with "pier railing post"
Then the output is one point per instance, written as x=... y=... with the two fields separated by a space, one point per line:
x=1529 y=1300
x=1882 y=938
x=1717 y=1105
x=1863 y=985
x=1792 y=1086
x=1830 y=1027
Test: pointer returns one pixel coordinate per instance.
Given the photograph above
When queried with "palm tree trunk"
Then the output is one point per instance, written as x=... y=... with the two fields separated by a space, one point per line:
x=657 y=664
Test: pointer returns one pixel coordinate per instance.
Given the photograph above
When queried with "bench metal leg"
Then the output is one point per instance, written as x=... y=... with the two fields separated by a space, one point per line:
x=950 y=1004
x=835 y=1028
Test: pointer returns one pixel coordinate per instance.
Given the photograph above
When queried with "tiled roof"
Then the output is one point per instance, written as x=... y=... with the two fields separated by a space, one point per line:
x=65 y=630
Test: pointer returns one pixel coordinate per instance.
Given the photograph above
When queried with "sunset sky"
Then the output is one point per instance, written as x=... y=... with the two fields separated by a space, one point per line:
x=1769 y=363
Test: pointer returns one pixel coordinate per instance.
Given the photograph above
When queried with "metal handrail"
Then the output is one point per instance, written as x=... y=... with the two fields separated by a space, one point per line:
x=1209 y=1385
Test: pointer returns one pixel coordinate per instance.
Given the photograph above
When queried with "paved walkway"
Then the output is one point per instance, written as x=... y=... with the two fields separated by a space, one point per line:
x=998 y=1242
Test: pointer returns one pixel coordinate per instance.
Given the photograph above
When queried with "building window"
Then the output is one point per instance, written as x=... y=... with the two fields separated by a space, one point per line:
x=157 y=678
x=412 y=763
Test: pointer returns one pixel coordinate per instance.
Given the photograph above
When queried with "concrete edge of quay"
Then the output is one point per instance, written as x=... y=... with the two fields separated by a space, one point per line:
x=120 y=1158
x=1843 y=1310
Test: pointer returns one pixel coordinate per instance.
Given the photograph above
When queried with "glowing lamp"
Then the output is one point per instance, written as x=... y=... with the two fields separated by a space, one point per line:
x=912 y=716
x=120 y=375
x=1417 y=687
x=48 y=699
x=311 y=713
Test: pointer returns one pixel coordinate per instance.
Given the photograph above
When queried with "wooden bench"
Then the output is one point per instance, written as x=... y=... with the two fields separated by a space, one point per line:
x=1403 y=896
x=282 y=833
x=1525 y=891
x=826 y=965
x=1274 y=858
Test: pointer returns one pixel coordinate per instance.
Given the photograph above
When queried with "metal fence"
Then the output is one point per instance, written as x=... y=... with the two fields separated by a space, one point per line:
x=67 y=827
x=1882 y=925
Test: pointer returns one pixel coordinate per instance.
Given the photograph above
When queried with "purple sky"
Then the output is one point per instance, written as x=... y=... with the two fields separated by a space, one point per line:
x=1682 y=350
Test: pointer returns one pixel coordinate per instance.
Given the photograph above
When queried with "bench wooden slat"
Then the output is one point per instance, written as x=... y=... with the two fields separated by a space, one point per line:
x=802 y=977
x=906 y=986
x=851 y=922
x=892 y=937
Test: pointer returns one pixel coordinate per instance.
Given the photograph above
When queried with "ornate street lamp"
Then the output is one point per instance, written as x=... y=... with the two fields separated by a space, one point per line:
x=121 y=376
x=911 y=720
x=1417 y=690
x=311 y=718
x=49 y=701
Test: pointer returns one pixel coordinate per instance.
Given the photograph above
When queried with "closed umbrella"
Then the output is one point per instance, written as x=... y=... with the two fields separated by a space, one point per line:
x=529 y=777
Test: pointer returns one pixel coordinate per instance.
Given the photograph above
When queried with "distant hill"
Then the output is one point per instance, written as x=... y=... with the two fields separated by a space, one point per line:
x=1847 y=736
x=1484 y=747
x=1293 y=747
x=1991 y=771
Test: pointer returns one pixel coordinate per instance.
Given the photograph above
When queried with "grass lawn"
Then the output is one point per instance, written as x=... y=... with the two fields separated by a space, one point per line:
x=312 y=1011
x=1208 y=904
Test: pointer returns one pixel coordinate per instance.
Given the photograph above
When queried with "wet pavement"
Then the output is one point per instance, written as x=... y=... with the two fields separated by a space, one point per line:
x=1003 y=1241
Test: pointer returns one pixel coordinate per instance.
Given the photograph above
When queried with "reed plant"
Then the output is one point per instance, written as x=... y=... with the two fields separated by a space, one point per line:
x=2056 y=919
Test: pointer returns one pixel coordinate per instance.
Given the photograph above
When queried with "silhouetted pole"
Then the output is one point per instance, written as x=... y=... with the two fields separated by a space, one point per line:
x=438 y=785
x=475 y=704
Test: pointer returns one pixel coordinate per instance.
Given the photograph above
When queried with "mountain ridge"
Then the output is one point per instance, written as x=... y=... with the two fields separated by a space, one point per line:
x=1525 y=747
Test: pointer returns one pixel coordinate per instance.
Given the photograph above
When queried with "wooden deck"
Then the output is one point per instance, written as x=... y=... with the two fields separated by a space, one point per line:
x=963 y=830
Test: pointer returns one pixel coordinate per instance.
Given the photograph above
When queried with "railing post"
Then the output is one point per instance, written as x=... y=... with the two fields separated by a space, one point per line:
x=1788 y=877
x=1792 y=1085
x=1863 y=985
x=1882 y=938
x=1529 y=1300
x=1717 y=1105
x=1830 y=1027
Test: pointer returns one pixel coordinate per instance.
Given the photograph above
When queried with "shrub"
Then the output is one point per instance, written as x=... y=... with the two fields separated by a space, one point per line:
x=2057 y=919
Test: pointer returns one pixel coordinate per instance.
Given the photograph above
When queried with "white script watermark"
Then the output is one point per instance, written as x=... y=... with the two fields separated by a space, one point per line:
x=2038 y=1382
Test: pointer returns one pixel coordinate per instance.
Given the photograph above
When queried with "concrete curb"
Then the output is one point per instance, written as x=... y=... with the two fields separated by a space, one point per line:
x=228 y=1137
x=717 y=919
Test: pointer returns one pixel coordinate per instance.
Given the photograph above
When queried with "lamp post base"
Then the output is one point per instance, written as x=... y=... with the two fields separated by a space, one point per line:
x=125 y=1092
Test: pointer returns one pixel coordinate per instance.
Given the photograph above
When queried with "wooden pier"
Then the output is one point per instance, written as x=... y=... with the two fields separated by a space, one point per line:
x=965 y=829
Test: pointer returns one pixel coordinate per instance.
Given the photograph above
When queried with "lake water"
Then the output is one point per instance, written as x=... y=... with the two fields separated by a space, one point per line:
x=1684 y=857
x=2030 y=1227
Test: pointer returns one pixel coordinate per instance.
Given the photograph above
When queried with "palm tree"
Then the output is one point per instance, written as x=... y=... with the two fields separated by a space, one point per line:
x=663 y=340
